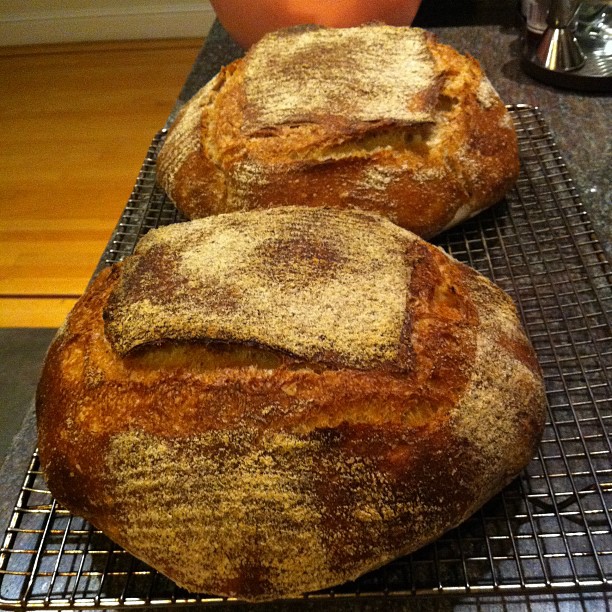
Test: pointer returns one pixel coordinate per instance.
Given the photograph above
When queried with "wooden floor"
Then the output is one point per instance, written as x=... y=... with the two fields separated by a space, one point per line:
x=75 y=124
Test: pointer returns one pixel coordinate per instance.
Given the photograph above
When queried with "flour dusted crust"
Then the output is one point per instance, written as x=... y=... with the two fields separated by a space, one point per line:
x=377 y=118
x=274 y=279
x=347 y=78
x=246 y=463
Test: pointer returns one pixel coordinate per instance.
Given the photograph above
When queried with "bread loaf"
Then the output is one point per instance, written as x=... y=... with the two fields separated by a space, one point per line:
x=279 y=401
x=376 y=118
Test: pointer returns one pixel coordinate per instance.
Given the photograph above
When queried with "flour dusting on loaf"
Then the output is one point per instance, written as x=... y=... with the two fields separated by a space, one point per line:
x=187 y=131
x=308 y=282
x=370 y=74
x=258 y=498
x=218 y=509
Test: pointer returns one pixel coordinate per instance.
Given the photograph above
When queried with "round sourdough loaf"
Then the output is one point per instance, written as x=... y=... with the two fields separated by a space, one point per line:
x=376 y=118
x=267 y=403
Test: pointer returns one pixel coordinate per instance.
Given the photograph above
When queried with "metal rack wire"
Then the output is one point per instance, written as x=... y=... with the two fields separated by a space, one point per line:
x=550 y=531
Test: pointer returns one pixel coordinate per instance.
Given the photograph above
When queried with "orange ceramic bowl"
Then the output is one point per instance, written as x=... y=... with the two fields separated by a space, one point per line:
x=247 y=21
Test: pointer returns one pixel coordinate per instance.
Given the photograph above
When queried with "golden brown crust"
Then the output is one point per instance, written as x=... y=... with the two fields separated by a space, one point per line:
x=244 y=470
x=449 y=153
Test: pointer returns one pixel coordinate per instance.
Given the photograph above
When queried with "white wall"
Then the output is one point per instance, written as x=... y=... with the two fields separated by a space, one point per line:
x=25 y=22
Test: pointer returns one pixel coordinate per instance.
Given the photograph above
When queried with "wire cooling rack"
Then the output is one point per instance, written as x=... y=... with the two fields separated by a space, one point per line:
x=549 y=531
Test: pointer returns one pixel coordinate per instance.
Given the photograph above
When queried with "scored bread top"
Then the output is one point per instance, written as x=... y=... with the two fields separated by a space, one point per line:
x=319 y=284
x=374 y=118
x=376 y=74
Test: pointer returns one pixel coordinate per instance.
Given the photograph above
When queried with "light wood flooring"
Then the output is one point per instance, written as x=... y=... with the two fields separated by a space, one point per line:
x=75 y=124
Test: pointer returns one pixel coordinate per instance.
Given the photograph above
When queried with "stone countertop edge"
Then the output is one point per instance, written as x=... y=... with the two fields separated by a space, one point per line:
x=579 y=123
x=14 y=468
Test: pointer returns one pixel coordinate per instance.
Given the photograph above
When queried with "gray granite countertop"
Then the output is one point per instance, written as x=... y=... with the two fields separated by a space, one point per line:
x=487 y=30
